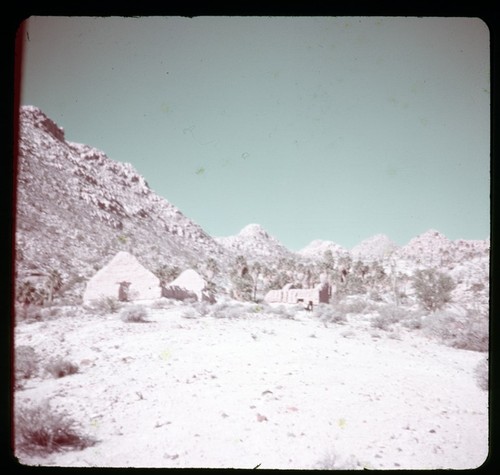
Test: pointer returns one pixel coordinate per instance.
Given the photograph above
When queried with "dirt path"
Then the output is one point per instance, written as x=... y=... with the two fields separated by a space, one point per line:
x=281 y=393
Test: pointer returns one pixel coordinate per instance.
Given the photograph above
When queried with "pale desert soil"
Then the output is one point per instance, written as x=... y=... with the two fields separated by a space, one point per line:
x=265 y=390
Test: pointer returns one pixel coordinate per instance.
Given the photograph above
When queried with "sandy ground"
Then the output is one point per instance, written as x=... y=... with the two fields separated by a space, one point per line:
x=281 y=393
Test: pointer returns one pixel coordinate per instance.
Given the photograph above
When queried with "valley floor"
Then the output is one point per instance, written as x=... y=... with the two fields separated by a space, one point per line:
x=260 y=390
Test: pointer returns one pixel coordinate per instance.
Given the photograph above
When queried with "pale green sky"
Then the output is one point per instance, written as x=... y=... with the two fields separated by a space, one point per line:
x=315 y=128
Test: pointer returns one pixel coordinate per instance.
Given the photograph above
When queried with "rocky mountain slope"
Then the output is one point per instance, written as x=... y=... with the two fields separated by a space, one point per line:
x=76 y=208
x=254 y=242
x=433 y=249
x=316 y=249
x=378 y=247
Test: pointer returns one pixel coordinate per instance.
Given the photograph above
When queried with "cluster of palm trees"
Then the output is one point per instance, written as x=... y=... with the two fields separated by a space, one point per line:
x=342 y=273
x=29 y=293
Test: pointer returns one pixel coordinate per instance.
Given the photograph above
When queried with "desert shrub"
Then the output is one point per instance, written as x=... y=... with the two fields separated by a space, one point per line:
x=36 y=313
x=29 y=294
x=228 y=310
x=468 y=332
x=375 y=296
x=28 y=313
x=26 y=363
x=332 y=461
x=190 y=313
x=387 y=316
x=166 y=273
x=481 y=374
x=242 y=287
x=69 y=300
x=413 y=322
x=284 y=311
x=328 y=314
x=105 y=305
x=162 y=303
x=40 y=430
x=203 y=307
x=433 y=288
x=59 y=367
x=134 y=314
x=355 y=306
x=257 y=309
x=241 y=281
x=50 y=312
x=218 y=310
x=474 y=334
x=73 y=311
x=442 y=325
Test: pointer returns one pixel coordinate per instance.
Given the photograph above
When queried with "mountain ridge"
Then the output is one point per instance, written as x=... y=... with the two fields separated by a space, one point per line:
x=86 y=207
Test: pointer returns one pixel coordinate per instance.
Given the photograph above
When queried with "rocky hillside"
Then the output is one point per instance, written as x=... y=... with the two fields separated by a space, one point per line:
x=433 y=249
x=76 y=208
x=430 y=249
x=316 y=249
x=376 y=248
x=254 y=243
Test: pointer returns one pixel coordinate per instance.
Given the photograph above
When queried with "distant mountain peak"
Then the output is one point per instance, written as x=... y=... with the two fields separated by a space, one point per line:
x=316 y=249
x=376 y=247
x=431 y=234
x=35 y=116
x=254 y=230
x=254 y=242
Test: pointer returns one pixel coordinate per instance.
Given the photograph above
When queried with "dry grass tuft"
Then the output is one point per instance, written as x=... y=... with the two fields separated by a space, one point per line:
x=135 y=314
x=40 y=430
x=58 y=367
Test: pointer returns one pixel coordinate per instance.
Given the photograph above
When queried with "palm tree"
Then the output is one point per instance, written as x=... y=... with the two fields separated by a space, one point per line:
x=166 y=274
x=26 y=294
x=255 y=270
x=54 y=283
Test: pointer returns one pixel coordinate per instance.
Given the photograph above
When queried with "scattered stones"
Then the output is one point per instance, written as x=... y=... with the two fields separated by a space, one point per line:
x=261 y=417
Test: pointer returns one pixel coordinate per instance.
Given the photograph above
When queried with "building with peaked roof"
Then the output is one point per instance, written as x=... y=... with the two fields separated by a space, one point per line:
x=189 y=284
x=123 y=278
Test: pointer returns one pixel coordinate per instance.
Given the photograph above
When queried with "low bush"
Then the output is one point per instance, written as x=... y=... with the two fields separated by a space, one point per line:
x=40 y=430
x=284 y=311
x=328 y=314
x=332 y=461
x=413 y=322
x=219 y=310
x=58 y=368
x=375 y=296
x=433 y=289
x=190 y=313
x=203 y=308
x=481 y=374
x=106 y=305
x=162 y=303
x=468 y=332
x=228 y=310
x=257 y=309
x=26 y=364
x=51 y=312
x=135 y=314
x=28 y=313
x=356 y=306
x=388 y=315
